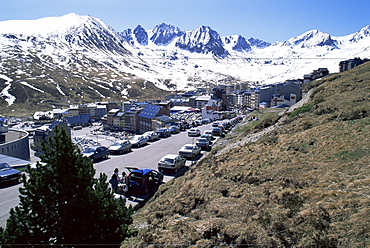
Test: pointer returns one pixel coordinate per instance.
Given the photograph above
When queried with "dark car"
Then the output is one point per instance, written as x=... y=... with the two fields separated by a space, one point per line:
x=143 y=180
x=8 y=174
x=163 y=132
x=217 y=131
x=96 y=152
x=174 y=129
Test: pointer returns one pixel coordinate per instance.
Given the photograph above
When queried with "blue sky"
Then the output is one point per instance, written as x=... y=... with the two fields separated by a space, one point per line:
x=269 y=20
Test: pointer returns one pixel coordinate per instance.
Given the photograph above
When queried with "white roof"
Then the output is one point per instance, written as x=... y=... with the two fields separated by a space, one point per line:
x=203 y=98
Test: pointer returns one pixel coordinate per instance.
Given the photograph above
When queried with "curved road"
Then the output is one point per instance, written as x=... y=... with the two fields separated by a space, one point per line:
x=143 y=157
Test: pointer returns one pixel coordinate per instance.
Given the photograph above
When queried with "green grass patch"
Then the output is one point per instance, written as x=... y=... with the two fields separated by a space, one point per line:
x=305 y=108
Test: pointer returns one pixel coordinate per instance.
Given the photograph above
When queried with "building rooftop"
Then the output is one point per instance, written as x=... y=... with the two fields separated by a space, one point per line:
x=13 y=135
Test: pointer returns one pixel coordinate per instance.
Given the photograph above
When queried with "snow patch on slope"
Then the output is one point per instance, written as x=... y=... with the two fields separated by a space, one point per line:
x=5 y=92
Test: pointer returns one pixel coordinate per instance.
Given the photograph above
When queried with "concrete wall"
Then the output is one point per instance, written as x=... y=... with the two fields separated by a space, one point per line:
x=17 y=145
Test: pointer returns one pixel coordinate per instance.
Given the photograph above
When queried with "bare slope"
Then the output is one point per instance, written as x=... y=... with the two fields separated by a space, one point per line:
x=305 y=183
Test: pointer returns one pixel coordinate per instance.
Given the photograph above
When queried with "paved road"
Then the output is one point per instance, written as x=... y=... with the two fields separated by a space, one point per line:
x=144 y=157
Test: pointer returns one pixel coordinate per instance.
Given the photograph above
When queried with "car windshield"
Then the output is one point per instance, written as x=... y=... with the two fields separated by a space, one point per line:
x=89 y=150
x=202 y=140
x=135 y=138
x=188 y=147
x=117 y=144
x=167 y=160
x=4 y=166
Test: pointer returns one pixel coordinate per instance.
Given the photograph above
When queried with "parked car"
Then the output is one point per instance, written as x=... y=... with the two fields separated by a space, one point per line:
x=163 y=133
x=138 y=140
x=143 y=180
x=194 y=132
x=96 y=152
x=203 y=143
x=174 y=129
x=180 y=125
x=171 y=162
x=215 y=124
x=217 y=131
x=152 y=136
x=210 y=133
x=8 y=174
x=206 y=136
x=189 y=151
x=120 y=147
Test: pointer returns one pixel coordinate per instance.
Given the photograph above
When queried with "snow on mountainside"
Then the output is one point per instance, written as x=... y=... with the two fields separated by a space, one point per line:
x=76 y=58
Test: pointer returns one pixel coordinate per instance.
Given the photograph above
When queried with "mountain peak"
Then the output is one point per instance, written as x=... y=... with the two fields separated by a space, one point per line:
x=363 y=33
x=311 y=38
x=141 y=35
x=48 y=25
x=164 y=33
x=202 y=40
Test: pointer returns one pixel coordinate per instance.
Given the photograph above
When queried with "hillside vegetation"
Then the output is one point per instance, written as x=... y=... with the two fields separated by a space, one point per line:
x=298 y=179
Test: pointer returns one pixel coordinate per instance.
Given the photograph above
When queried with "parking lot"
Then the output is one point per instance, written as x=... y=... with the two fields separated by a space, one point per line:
x=146 y=156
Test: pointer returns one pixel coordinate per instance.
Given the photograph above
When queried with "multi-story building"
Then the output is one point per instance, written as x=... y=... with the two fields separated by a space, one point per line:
x=255 y=99
x=148 y=115
x=43 y=133
x=132 y=119
x=110 y=118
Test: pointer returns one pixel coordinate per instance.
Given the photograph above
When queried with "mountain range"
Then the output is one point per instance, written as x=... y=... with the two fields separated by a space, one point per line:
x=57 y=61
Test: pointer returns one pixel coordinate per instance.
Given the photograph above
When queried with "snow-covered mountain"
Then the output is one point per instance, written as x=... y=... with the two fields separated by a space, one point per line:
x=76 y=58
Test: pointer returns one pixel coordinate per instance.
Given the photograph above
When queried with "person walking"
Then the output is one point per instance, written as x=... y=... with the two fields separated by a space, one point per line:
x=114 y=183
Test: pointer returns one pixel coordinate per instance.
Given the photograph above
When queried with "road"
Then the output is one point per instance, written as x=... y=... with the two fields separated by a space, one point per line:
x=143 y=157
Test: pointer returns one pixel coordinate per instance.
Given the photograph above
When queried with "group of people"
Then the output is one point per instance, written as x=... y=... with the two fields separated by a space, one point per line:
x=119 y=183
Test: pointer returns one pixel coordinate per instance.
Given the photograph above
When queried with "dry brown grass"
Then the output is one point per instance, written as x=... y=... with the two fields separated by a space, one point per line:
x=306 y=184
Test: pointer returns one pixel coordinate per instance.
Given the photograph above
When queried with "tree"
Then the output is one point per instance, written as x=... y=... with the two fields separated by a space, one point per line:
x=62 y=203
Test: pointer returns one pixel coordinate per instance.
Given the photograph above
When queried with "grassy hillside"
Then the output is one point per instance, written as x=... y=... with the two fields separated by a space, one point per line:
x=303 y=183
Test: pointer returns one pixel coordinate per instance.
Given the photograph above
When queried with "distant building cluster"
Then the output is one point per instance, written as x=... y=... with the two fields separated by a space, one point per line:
x=351 y=63
x=217 y=102
x=138 y=117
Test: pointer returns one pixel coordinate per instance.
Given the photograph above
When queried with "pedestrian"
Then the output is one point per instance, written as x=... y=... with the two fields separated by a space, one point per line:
x=114 y=182
x=124 y=181
x=116 y=171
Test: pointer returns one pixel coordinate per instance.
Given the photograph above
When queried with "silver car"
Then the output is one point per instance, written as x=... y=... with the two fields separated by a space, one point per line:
x=189 y=151
x=171 y=162
x=138 y=140
x=120 y=147
x=152 y=136
x=194 y=132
